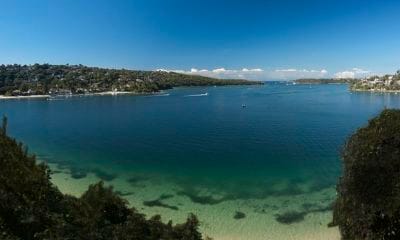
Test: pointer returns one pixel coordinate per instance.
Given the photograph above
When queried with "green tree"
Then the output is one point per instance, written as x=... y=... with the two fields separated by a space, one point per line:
x=4 y=125
x=368 y=201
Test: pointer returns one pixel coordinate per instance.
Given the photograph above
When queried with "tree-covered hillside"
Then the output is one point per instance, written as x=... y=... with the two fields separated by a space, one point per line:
x=61 y=79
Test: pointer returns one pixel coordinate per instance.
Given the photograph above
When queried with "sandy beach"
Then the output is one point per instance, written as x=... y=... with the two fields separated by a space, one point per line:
x=108 y=93
x=112 y=93
x=23 y=97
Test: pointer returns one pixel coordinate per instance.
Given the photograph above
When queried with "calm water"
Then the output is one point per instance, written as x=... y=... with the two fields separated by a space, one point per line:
x=286 y=133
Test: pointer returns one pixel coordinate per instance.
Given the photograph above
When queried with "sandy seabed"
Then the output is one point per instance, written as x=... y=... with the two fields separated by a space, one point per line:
x=217 y=220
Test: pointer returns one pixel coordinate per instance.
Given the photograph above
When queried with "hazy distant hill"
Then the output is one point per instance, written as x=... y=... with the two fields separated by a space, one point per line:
x=323 y=80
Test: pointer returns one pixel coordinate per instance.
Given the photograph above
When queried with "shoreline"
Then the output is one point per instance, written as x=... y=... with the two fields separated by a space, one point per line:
x=23 y=97
x=317 y=83
x=107 y=93
x=375 y=91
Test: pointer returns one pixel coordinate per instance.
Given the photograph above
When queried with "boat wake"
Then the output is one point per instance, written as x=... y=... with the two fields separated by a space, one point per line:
x=197 y=95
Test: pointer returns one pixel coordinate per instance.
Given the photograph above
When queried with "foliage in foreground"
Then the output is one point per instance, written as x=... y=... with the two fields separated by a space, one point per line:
x=32 y=208
x=368 y=203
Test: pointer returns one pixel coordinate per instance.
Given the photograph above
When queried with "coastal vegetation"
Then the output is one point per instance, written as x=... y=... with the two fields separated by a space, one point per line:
x=368 y=201
x=31 y=207
x=45 y=79
x=386 y=83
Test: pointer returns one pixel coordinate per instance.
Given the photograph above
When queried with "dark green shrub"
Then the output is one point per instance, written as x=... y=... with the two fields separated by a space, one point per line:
x=368 y=202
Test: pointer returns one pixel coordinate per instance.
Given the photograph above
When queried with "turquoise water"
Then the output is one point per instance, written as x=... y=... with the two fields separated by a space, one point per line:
x=290 y=134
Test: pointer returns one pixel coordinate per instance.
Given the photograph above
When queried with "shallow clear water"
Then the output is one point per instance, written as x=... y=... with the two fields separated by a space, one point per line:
x=285 y=142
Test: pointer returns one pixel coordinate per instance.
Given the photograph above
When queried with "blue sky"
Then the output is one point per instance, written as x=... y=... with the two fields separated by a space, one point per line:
x=251 y=39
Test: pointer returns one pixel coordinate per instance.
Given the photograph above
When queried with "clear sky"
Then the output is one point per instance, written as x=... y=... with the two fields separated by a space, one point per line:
x=252 y=39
